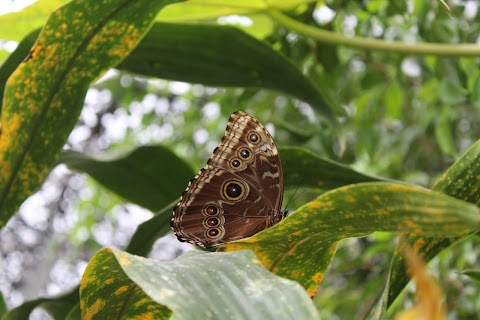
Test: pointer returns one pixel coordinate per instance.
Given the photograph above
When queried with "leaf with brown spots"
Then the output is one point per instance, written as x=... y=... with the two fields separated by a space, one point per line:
x=301 y=247
x=197 y=285
x=44 y=96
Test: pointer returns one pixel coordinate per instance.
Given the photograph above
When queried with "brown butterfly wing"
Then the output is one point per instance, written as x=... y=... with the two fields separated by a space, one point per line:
x=238 y=193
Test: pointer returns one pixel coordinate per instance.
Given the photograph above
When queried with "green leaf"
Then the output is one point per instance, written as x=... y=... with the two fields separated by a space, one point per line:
x=26 y=20
x=473 y=274
x=305 y=167
x=310 y=235
x=452 y=93
x=446 y=7
x=44 y=96
x=3 y=305
x=58 y=307
x=150 y=176
x=475 y=92
x=219 y=56
x=198 y=285
x=460 y=181
x=75 y=313
x=195 y=10
x=149 y=231
x=394 y=100
x=444 y=132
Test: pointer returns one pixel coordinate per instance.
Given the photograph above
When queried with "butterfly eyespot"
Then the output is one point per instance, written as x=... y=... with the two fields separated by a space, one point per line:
x=213 y=233
x=245 y=154
x=253 y=137
x=211 y=210
x=235 y=163
x=233 y=190
x=212 y=222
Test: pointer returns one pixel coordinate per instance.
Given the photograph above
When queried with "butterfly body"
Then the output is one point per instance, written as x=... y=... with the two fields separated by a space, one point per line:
x=238 y=193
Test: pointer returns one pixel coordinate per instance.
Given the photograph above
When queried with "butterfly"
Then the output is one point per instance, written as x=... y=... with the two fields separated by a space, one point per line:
x=238 y=193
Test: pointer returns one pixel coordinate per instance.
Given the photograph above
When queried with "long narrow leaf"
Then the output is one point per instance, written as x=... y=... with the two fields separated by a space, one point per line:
x=460 y=181
x=219 y=56
x=14 y=59
x=302 y=246
x=314 y=171
x=58 y=307
x=150 y=176
x=44 y=96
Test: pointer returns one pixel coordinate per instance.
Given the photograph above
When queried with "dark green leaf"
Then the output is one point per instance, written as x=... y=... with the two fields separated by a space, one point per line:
x=148 y=232
x=473 y=274
x=75 y=313
x=305 y=167
x=219 y=56
x=150 y=176
x=58 y=307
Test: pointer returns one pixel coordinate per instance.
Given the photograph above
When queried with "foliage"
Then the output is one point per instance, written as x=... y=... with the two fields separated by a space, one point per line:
x=400 y=99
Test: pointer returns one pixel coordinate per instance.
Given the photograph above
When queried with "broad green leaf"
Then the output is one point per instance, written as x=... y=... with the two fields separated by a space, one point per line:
x=14 y=59
x=150 y=176
x=301 y=247
x=473 y=274
x=461 y=181
x=26 y=20
x=195 y=10
x=219 y=56
x=44 y=96
x=58 y=307
x=197 y=285
x=305 y=167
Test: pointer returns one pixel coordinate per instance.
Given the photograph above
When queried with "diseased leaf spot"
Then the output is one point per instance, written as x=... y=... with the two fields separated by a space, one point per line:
x=121 y=290
x=94 y=309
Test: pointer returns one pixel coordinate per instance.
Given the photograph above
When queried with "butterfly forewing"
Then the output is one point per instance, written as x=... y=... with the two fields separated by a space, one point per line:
x=238 y=193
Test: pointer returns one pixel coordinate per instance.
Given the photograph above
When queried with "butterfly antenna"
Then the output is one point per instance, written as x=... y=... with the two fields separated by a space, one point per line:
x=292 y=197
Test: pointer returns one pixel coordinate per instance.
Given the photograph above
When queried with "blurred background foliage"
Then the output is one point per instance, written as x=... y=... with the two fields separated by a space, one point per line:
x=400 y=116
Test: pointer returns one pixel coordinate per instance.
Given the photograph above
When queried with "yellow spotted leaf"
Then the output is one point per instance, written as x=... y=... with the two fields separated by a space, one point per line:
x=44 y=95
x=197 y=285
x=301 y=247
x=462 y=181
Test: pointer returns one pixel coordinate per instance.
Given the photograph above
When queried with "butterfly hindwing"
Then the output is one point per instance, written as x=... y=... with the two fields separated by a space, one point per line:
x=238 y=193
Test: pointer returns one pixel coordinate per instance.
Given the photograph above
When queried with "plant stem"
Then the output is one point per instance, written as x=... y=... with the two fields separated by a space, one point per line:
x=436 y=49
